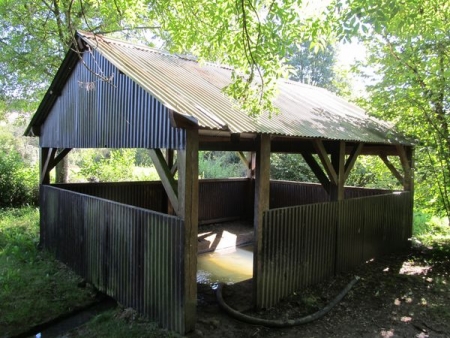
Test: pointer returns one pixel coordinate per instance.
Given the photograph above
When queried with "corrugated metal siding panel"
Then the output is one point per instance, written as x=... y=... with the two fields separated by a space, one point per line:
x=305 y=244
x=372 y=226
x=147 y=195
x=298 y=249
x=223 y=199
x=120 y=114
x=289 y=193
x=132 y=254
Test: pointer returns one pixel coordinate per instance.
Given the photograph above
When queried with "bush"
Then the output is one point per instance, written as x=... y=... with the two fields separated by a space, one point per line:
x=116 y=165
x=220 y=164
x=18 y=179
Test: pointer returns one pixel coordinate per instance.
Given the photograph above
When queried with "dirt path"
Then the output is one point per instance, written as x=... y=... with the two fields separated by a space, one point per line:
x=398 y=296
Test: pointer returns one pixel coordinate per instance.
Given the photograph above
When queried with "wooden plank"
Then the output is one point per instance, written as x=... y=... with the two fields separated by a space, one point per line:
x=323 y=156
x=166 y=177
x=391 y=167
x=262 y=198
x=47 y=155
x=188 y=211
x=317 y=170
x=352 y=159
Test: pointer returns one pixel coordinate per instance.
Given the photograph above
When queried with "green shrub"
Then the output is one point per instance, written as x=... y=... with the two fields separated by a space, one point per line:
x=220 y=164
x=116 y=165
x=18 y=179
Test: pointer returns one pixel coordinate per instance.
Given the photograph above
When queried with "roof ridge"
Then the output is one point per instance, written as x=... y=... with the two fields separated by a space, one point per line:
x=139 y=46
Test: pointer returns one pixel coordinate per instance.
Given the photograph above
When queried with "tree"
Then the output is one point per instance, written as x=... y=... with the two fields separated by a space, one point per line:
x=408 y=44
x=409 y=40
x=313 y=67
x=252 y=36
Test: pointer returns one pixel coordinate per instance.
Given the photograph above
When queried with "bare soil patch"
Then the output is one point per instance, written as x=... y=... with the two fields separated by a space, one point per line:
x=402 y=295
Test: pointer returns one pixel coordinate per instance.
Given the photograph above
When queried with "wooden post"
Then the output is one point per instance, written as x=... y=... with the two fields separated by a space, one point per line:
x=46 y=160
x=170 y=164
x=262 y=190
x=406 y=159
x=338 y=162
x=188 y=211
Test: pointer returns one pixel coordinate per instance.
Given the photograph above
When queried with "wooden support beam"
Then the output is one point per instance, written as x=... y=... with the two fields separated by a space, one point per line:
x=243 y=158
x=63 y=153
x=249 y=162
x=338 y=162
x=393 y=170
x=406 y=160
x=317 y=170
x=262 y=199
x=46 y=158
x=166 y=177
x=188 y=211
x=323 y=156
x=352 y=159
x=171 y=163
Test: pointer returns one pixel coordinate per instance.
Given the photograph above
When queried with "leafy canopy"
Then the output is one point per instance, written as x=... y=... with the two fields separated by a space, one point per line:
x=409 y=44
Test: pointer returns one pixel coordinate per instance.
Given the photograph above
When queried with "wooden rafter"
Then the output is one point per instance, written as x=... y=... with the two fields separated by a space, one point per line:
x=167 y=179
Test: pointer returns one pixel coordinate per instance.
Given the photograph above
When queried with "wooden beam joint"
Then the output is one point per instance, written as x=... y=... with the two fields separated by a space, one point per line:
x=167 y=180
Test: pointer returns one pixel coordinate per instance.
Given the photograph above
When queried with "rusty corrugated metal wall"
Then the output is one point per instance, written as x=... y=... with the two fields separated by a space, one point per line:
x=305 y=244
x=132 y=254
x=226 y=199
x=298 y=248
x=91 y=113
x=288 y=193
x=147 y=195
x=219 y=200
x=371 y=227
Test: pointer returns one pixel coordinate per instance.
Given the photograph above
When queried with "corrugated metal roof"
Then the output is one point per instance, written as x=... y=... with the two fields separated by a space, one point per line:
x=195 y=90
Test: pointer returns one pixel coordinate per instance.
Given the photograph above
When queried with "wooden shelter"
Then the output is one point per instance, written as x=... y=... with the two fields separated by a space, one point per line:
x=137 y=241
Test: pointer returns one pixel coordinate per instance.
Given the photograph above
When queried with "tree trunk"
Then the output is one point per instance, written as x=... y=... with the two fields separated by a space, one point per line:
x=62 y=171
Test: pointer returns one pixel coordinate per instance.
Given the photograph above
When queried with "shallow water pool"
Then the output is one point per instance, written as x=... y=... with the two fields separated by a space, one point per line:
x=227 y=266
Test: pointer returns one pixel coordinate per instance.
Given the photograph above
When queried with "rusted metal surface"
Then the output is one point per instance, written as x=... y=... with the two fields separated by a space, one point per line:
x=289 y=193
x=305 y=244
x=132 y=254
x=224 y=200
x=298 y=249
x=147 y=195
x=189 y=89
x=92 y=113
x=219 y=200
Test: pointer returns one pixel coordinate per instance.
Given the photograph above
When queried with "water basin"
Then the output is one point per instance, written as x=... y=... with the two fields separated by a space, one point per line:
x=229 y=265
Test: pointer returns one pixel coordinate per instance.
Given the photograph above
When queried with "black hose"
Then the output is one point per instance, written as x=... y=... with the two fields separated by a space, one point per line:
x=282 y=323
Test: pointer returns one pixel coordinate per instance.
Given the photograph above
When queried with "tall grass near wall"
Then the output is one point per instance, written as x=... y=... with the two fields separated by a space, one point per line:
x=34 y=287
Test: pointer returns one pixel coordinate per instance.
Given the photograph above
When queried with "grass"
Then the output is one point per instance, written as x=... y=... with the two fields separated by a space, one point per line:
x=432 y=231
x=120 y=323
x=34 y=287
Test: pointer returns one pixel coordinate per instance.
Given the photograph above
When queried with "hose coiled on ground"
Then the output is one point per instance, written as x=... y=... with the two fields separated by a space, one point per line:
x=282 y=323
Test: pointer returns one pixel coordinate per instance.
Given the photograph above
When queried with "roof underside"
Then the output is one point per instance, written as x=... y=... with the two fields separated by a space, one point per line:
x=196 y=91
